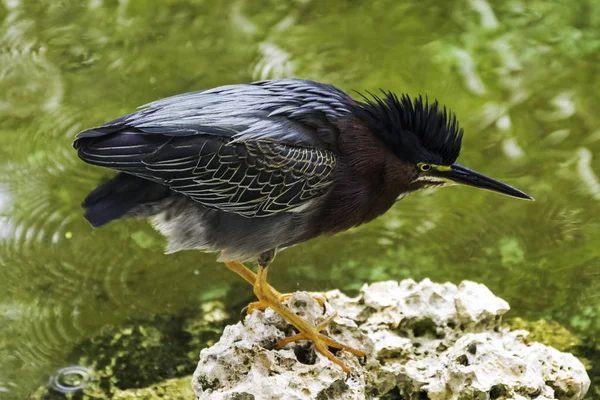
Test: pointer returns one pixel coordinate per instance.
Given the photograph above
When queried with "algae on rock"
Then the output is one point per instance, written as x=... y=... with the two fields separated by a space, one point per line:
x=546 y=332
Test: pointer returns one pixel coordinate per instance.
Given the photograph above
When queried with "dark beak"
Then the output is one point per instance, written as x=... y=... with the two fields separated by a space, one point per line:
x=465 y=176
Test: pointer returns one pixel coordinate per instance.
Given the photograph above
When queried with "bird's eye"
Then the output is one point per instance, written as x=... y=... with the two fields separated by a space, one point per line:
x=423 y=167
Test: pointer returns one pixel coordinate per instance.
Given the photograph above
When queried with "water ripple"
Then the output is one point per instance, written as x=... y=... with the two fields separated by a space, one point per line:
x=29 y=82
x=70 y=379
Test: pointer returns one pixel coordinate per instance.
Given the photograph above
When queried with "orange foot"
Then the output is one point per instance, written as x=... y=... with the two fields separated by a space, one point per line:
x=270 y=298
x=320 y=298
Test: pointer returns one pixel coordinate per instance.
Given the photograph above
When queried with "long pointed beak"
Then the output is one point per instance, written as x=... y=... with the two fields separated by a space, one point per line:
x=465 y=176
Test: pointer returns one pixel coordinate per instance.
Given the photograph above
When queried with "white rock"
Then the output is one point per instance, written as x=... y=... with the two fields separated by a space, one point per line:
x=423 y=340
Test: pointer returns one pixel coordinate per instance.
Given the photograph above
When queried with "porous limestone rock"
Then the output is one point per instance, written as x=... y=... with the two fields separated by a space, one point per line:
x=423 y=341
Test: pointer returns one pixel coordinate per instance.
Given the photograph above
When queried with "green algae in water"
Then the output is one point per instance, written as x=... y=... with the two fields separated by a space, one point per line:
x=148 y=359
x=170 y=389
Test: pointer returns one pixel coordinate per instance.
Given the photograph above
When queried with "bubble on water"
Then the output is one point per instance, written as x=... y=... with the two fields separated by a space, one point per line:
x=511 y=148
x=241 y=21
x=274 y=62
x=586 y=173
x=467 y=69
x=487 y=17
x=564 y=104
x=503 y=123
x=71 y=379
x=563 y=107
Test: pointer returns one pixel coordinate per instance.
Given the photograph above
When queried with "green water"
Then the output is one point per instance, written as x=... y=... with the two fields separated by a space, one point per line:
x=522 y=76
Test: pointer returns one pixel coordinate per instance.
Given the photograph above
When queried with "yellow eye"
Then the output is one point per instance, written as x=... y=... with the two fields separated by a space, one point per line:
x=423 y=167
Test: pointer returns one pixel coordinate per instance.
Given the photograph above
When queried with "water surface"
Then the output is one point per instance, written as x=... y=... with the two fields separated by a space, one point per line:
x=522 y=77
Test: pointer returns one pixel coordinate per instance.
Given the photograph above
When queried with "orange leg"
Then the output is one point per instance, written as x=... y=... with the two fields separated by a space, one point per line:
x=259 y=305
x=250 y=277
x=268 y=297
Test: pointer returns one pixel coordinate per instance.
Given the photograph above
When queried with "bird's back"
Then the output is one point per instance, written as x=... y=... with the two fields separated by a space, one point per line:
x=240 y=152
x=291 y=111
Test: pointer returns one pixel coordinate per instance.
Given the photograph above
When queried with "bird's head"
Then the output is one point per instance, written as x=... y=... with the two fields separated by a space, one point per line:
x=428 y=138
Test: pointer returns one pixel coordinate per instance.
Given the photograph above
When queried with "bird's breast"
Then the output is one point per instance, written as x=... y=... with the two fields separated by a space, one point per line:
x=368 y=180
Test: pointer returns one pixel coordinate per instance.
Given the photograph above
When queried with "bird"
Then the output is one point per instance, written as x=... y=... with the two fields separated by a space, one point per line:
x=247 y=170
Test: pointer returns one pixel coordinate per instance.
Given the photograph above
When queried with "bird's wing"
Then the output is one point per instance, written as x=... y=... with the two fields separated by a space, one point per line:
x=291 y=111
x=253 y=158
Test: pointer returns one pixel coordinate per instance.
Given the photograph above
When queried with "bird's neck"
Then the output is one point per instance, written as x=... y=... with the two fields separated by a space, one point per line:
x=369 y=179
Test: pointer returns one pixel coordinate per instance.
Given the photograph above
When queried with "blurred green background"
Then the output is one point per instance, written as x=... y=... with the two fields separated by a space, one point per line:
x=522 y=76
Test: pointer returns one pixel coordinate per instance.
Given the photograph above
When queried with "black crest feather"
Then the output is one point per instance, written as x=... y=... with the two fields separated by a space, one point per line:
x=414 y=130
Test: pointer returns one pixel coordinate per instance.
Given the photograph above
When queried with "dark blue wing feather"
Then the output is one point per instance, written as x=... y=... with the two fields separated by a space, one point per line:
x=254 y=150
x=291 y=111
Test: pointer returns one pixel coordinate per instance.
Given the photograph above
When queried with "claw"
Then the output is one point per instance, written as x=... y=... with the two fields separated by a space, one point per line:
x=322 y=342
x=243 y=314
x=269 y=297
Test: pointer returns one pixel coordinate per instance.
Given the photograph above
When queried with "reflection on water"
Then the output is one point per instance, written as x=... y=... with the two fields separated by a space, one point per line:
x=521 y=76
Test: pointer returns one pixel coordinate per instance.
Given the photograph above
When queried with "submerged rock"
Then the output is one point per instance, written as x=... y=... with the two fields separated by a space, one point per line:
x=423 y=341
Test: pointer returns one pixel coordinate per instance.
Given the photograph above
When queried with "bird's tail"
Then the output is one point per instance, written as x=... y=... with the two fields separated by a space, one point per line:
x=123 y=196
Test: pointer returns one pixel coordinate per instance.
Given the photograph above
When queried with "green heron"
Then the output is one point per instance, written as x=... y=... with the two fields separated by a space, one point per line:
x=248 y=170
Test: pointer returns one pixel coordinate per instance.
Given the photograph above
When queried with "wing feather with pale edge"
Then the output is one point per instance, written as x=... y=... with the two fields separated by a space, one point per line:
x=256 y=160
